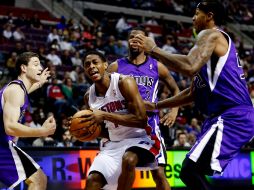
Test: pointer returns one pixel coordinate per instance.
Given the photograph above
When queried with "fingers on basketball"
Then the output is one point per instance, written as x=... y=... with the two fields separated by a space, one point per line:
x=86 y=131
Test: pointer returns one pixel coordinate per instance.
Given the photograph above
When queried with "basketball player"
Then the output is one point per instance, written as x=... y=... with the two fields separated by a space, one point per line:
x=115 y=99
x=147 y=72
x=218 y=89
x=15 y=165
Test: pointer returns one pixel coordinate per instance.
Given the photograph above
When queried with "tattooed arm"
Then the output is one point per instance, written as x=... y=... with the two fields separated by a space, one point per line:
x=208 y=42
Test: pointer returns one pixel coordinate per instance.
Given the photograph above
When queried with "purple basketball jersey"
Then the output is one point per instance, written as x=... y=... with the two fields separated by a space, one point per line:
x=221 y=85
x=147 y=79
x=145 y=74
x=3 y=137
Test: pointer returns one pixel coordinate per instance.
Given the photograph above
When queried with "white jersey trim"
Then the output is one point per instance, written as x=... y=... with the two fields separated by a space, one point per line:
x=18 y=164
x=220 y=64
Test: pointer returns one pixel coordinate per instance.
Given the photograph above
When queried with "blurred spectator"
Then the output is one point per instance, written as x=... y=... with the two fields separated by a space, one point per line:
x=168 y=47
x=18 y=35
x=152 y=21
x=7 y=32
x=74 y=73
x=193 y=127
x=120 y=49
x=66 y=140
x=53 y=35
x=181 y=141
x=62 y=24
x=53 y=57
x=191 y=139
x=76 y=61
x=66 y=45
x=122 y=26
x=19 y=48
x=35 y=22
x=11 y=64
x=22 y=21
x=66 y=59
x=43 y=141
x=42 y=56
x=56 y=97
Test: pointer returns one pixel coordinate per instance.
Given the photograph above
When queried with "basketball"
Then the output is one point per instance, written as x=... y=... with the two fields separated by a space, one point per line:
x=84 y=131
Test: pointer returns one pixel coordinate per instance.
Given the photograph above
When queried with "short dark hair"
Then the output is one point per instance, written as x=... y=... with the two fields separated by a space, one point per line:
x=216 y=8
x=140 y=28
x=102 y=57
x=23 y=59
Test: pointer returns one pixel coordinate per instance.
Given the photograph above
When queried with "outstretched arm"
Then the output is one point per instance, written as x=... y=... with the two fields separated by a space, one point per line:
x=185 y=97
x=198 y=56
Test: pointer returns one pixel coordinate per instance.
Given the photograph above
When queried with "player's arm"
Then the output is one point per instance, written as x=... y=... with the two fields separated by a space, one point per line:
x=185 y=97
x=189 y=64
x=169 y=81
x=135 y=105
x=13 y=100
x=43 y=79
x=113 y=67
x=136 y=108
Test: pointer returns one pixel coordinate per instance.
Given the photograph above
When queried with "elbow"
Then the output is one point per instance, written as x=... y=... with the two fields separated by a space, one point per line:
x=9 y=129
x=190 y=72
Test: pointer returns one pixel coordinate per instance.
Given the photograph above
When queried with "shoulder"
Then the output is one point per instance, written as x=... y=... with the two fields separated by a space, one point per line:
x=113 y=67
x=14 y=92
x=14 y=88
x=126 y=80
x=208 y=34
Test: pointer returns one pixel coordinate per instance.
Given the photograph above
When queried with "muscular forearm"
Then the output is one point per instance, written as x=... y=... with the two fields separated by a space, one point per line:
x=19 y=130
x=175 y=62
x=183 y=98
x=129 y=120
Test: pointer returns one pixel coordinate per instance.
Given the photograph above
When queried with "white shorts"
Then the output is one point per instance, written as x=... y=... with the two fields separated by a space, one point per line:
x=109 y=161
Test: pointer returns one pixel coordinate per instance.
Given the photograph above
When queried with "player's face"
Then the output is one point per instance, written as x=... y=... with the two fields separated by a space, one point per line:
x=199 y=20
x=133 y=44
x=34 y=69
x=94 y=67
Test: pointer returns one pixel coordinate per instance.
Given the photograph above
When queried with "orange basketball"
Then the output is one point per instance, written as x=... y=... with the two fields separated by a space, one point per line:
x=84 y=131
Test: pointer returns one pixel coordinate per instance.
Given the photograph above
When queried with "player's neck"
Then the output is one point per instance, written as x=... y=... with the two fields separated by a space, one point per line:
x=26 y=82
x=102 y=86
x=141 y=58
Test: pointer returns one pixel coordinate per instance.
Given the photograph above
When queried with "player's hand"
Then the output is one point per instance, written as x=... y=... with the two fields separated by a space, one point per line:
x=49 y=126
x=150 y=106
x=169 y=119
x=94 y=116
x=144 y=42
x=44 y=76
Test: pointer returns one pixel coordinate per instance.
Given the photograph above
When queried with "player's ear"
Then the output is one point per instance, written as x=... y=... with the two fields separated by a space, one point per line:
x=23 y=68
x=105 y=65
x=210 y=15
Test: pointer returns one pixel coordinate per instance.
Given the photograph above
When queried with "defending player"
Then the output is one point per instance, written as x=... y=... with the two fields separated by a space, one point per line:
x=147 y=71
x=15 y=165
x=219 y=90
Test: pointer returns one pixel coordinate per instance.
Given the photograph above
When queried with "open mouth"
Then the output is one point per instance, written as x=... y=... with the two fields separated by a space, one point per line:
x=94 y=74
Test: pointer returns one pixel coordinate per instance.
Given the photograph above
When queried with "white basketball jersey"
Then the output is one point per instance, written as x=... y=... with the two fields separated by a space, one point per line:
x=114 y=102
